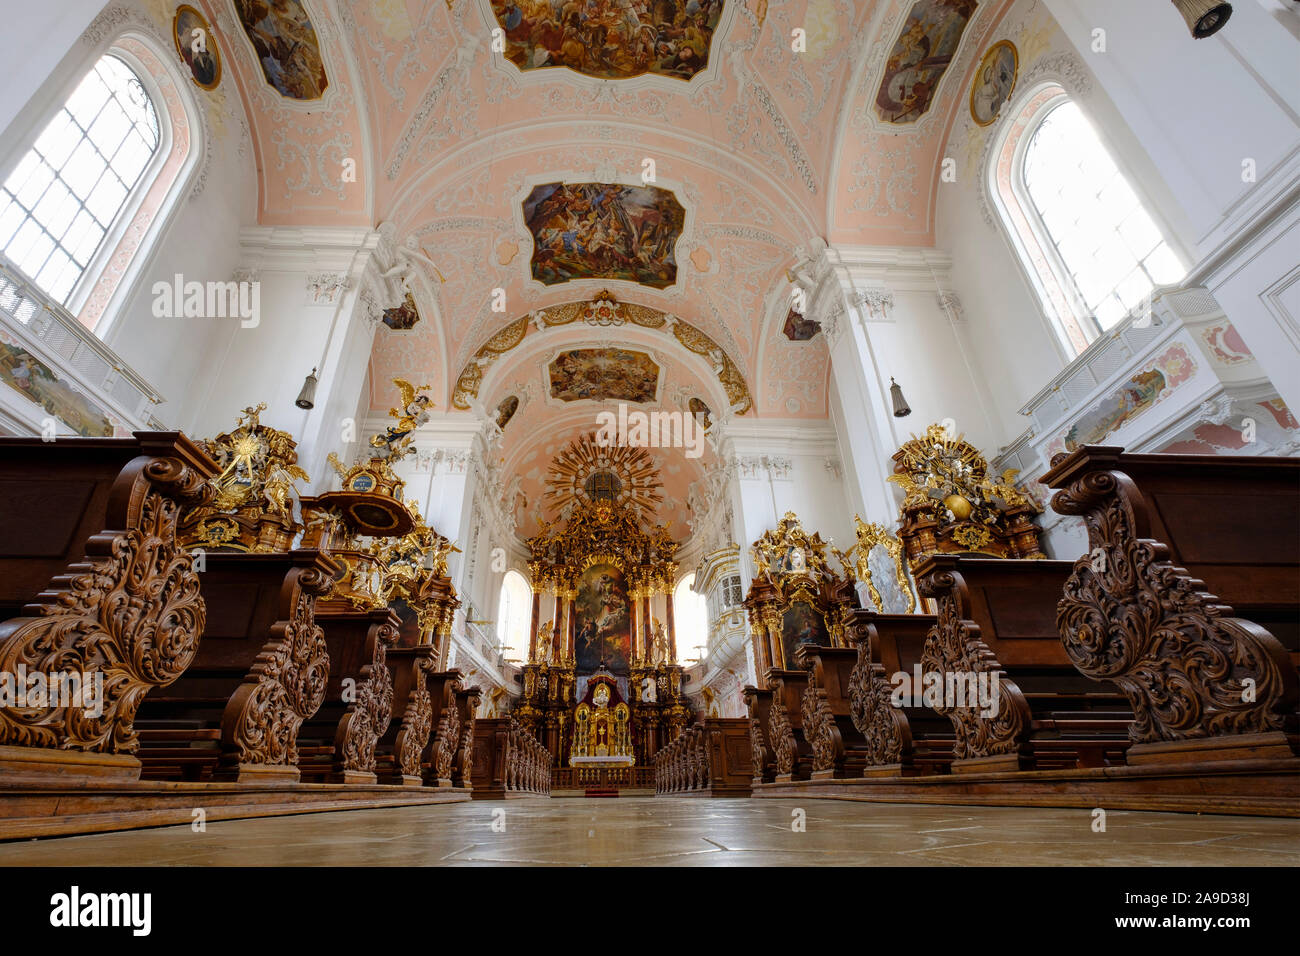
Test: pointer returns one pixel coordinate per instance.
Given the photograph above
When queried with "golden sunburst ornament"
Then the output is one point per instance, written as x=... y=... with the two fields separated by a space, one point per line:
x=618 y=476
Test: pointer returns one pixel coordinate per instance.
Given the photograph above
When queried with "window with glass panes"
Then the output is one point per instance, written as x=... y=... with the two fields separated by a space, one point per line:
x=61 y=200
x=1111 y=248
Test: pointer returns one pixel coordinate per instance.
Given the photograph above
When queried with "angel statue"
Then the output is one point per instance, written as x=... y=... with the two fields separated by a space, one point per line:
x=660 y=642
x=279 y=483
x=413 y=413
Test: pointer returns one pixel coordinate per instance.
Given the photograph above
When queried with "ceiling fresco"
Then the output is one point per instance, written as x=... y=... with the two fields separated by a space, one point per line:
x=920 y=57
x=610 y=39
x=287 y=48
x=514 y=175
x=604 y=231
x=600 y=374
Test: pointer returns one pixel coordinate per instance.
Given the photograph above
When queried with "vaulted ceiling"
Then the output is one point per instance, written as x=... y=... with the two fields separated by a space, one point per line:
x=762 y=147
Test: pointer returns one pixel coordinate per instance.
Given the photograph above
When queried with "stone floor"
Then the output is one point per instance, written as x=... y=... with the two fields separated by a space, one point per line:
x=689 y=832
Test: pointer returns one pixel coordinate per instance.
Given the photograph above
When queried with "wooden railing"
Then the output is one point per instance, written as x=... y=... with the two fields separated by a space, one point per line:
x=602 y=778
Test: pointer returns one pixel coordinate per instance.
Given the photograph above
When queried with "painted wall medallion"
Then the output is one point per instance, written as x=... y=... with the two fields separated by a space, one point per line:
x=995 y=81
x=197 y=46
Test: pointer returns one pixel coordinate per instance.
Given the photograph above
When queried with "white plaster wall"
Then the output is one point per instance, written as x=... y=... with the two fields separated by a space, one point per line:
x=42 y=58
x=36 y=36
x=1201 y=106
x=1179 y=115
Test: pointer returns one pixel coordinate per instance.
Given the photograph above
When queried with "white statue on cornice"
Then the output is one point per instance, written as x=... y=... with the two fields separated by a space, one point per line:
x=492 y=432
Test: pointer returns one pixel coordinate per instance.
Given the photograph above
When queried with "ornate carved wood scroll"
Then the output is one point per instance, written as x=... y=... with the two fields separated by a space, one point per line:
x=757 y=704
x=469 y=701
x=286 y=686
x=367 y=717
x=885 y=727
x=780 y=732
x=964 y=664
x=819 y=728
x=1189 y=668
x=417 y=722
x=130 y=615
x=447 y=743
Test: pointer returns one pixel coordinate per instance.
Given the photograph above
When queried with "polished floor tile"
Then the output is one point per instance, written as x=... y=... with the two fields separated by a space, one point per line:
x=688 y=832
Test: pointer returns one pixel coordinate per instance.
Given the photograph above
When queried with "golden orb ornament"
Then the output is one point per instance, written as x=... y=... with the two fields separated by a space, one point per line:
x=959 y=506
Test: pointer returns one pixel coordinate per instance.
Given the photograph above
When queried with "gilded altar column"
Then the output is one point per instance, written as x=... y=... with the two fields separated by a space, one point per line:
x=772 y=626
x=571 y=623
x=532 y=631
x=645 y=621
x=634 y=596
x=672 y=630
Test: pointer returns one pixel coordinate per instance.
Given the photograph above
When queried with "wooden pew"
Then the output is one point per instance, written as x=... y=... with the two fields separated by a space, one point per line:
x=261 y=670
x=1179 y=546
x=338 y=744
x=907 y=740
x=399 y=750
x=996 y=621
x=792 y=753
x=439 y=758
x=92 y=580
x=758 y=703
x=838 y=748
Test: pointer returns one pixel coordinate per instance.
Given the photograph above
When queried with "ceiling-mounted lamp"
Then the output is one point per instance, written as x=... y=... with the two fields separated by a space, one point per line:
x=1204 y=17
x=307 y=397
x=901 y=408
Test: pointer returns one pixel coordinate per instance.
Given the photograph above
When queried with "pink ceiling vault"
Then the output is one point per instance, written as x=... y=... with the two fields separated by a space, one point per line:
x=764 y=149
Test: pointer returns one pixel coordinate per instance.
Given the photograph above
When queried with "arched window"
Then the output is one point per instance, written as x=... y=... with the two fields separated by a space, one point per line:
x=60 y=204
x=1093 y=248
x=514 y=614
x=690 y=619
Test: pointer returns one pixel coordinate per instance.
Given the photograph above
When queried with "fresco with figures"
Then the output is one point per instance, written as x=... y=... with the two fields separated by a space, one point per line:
x=603 y=373
x=1131 y=399
x=920 y=57
x=610 y=39
x=603 y=621
x=35 y=381
x=287 y=48
x=604 y=231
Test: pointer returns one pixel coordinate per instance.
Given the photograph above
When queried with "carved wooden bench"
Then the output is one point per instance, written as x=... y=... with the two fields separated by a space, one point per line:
x=792 y=753
x=92 y=582
x=358 y=704
x=839 y=749
x=400 y=751
x=1179 y=546
x=996 y=621
x=261 y=670
x=758 y=704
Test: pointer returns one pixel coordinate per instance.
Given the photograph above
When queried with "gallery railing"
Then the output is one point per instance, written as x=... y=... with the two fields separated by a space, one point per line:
x=53 y=347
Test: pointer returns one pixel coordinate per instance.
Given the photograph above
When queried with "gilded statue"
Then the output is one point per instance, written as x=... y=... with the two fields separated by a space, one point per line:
x=659 y=642
x=413 y=413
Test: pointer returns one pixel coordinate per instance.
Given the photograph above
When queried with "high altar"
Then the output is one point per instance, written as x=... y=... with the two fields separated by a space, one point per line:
x=602 y=684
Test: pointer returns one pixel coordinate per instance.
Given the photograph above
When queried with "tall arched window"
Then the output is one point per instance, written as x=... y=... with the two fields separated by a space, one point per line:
x=514 y=614
x=1081 y=229
x=690 y=619
x=61 y=202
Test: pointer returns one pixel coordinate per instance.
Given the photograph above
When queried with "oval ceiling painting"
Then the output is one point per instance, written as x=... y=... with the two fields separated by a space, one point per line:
x=610 y=39
x=285 y=41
